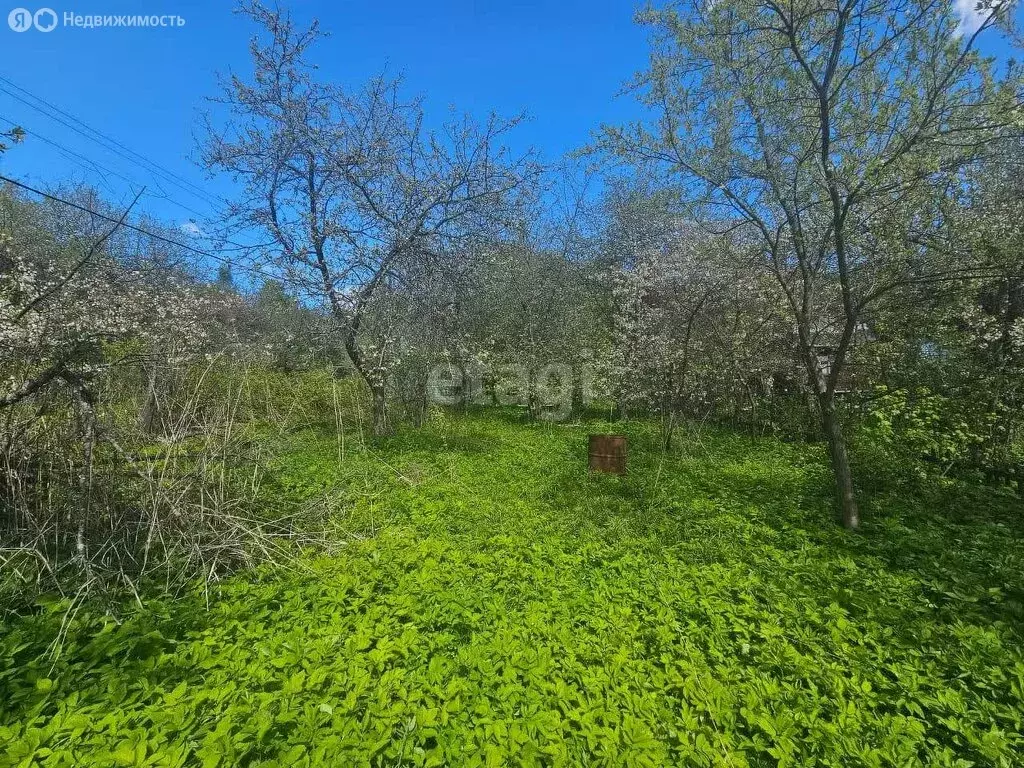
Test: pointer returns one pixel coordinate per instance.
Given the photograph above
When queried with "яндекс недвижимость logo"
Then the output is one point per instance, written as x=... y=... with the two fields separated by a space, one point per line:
x=22 y=19
x=46 y=20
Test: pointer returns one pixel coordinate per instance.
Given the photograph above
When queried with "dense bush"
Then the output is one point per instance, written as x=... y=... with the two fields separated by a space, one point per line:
x=919 y=434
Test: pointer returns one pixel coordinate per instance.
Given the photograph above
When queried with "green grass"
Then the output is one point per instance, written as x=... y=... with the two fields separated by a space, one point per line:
x=491 y=603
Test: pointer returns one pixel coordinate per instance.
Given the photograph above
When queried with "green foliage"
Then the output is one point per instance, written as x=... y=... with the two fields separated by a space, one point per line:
x=924 y=432
x=491 y=603
x=16 y=135
x=226 y=391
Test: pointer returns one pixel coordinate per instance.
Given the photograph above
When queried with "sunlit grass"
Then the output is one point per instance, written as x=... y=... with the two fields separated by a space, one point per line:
x=490 y=602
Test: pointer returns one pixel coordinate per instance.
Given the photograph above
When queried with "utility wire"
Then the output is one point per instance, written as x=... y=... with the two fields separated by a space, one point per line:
x=154 y=235
x=86 y=162
x=99 y=168
x=105 y=141
x=108 y=143
x=195 y=189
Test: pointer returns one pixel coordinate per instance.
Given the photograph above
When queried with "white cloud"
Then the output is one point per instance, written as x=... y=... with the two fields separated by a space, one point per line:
x=970 y=17
x=192 y=229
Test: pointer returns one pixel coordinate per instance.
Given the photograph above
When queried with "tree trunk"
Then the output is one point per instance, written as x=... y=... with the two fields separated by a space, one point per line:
x=666 y=411
x=149 y=414
x=840 y=462
x=379 y=401
x=533 y=404
x=380 y=410
x=490 y=389
x=578 y=404
x=668 y=428
x=466 y=390
x=419 y=402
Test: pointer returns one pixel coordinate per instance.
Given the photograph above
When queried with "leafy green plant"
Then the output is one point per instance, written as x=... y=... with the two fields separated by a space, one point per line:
x=489 y=602
x=922 y=432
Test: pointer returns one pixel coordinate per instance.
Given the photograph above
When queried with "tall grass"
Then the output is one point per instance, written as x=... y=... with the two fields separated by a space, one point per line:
x=99 y=499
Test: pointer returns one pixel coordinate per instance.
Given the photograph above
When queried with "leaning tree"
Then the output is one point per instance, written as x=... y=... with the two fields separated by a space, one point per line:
x=831 y=128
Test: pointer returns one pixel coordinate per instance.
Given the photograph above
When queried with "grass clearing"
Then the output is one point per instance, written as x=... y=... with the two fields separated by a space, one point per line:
x=491 y=603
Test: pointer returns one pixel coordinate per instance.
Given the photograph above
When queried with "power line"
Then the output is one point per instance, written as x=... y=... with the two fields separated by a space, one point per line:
x=104 y=141
x=88 y=163
x=154 y=235
x=195 y=189
x=82 y=160
x=108 y=143
x=158 y=176
x=103 y=170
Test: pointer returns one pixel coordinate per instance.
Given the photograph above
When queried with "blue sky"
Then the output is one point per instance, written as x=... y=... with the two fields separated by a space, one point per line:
x=562 y=62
